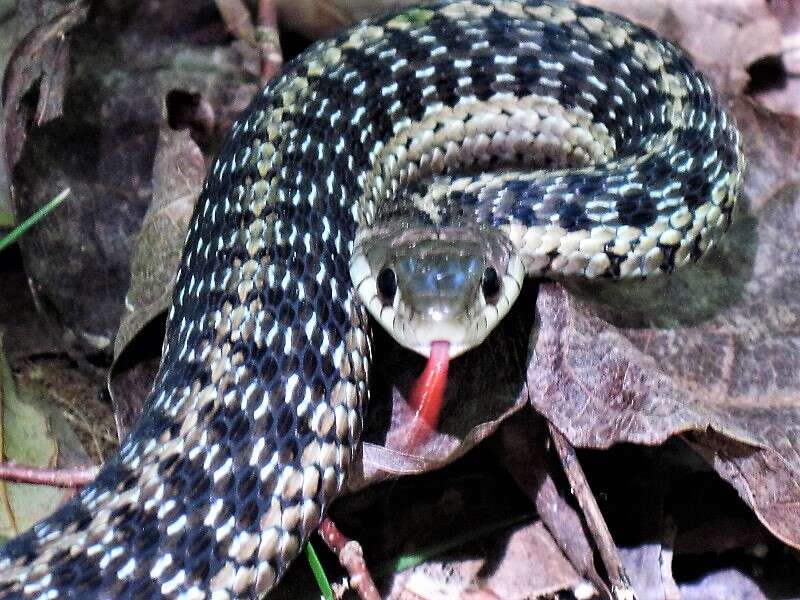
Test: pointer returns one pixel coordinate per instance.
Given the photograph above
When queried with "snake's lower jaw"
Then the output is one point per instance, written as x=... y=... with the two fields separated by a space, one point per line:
x=418 y=331
x=454 y=348
x=461 y=336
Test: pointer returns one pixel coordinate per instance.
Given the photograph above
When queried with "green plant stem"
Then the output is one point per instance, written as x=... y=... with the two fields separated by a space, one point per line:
x=319 y=573
x=33 y=219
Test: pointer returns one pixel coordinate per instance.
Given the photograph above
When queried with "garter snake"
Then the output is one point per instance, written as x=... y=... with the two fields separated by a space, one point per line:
x=417 y=167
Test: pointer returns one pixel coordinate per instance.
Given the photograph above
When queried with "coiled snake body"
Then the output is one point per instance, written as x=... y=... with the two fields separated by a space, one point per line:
x=432 y=158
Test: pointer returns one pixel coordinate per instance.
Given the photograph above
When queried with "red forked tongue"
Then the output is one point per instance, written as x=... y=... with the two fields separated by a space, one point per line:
x=427 y=395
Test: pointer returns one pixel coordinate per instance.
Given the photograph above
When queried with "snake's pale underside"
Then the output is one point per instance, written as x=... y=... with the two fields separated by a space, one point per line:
x=417 y=167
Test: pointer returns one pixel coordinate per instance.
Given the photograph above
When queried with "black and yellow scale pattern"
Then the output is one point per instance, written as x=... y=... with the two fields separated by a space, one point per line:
x=632 y=168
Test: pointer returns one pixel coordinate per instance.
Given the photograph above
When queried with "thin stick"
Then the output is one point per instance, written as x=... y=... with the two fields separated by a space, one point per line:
x=66 y=478
x=269 y=45
x=351 y=557
x=530 y=471
x=620 y=584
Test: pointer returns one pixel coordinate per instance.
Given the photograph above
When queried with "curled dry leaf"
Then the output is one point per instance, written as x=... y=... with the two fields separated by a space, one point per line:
x=713 y=349
x=40 y=55
x=178 y=173
x=32 y=434
x=122 y=64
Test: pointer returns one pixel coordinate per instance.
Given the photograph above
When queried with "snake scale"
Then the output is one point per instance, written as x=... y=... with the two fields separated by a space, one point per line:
x=417 y=167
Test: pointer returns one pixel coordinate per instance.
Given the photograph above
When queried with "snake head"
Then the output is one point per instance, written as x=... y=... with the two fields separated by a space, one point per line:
x=426 y=284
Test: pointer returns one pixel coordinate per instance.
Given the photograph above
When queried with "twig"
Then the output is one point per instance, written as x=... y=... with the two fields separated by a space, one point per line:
x=268 y=42
x=66 y=478
x=531 y=473
x=263 y=36
x=238 y=20
x=351 y=557
x=620 y=584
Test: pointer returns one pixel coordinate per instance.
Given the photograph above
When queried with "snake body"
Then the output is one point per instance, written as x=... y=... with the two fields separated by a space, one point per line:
x=555 y=137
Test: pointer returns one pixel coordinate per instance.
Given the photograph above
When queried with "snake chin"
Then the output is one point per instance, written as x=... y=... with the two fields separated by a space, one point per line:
x=427 y=284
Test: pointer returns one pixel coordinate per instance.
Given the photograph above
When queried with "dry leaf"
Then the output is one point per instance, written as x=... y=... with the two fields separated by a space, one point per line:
x=33 y=434
x=179 y=169
x=122 y=66
x=178 y=174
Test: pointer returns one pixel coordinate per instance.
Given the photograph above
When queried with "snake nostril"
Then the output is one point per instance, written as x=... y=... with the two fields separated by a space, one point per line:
x=387 y=285
x=490 y=285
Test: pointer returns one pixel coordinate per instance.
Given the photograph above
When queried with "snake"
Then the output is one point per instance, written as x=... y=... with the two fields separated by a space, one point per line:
x=410 y=172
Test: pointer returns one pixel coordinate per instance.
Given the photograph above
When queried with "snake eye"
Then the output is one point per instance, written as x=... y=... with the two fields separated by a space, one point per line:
x=387 y=285
x=490 y=285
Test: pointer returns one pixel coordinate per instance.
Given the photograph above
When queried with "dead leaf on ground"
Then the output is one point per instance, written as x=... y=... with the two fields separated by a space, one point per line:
x=178 y=174
x=715 y=347
x=33 y=434
x=125 y=62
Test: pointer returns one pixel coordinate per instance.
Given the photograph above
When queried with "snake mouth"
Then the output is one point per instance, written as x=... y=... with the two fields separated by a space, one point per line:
x=434 y=348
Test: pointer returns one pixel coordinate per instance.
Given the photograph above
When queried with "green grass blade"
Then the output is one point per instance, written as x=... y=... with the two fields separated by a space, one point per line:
x=30 y=221
x=319 y=573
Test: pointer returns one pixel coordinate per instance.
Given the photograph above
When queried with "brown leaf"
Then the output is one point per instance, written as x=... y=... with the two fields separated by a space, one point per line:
x=126 y=63
x=530 y=565
x=762 y=478
x=178 y=172
x=713 y=348
x=41 y=53
x=177 y=177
